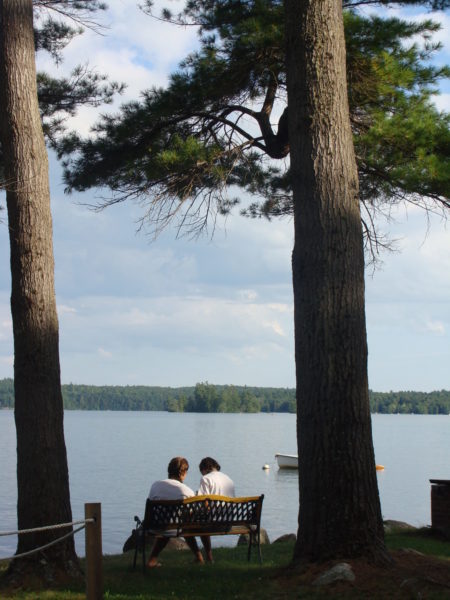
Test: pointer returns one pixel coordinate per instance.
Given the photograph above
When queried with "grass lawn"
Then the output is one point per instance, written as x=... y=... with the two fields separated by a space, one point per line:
x=232 y=577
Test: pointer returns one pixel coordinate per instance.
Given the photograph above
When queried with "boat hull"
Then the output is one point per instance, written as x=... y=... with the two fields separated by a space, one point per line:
x=287 y=461
x=290 y=461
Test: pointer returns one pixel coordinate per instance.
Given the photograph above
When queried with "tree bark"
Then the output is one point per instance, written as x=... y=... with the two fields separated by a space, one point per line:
x=42 y=473
x=340 y=513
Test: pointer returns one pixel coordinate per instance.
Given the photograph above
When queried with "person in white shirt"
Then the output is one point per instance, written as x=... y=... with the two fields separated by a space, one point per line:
x=172 y=488
x=213 y=482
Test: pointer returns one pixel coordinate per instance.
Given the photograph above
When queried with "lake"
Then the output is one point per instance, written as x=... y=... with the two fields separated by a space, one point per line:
x=115 y=456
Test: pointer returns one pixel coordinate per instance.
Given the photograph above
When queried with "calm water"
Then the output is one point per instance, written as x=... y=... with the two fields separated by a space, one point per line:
x=114 y=457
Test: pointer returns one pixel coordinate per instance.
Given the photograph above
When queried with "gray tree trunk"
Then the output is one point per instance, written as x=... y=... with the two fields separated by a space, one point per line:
x=42 y=474
x=340 y=512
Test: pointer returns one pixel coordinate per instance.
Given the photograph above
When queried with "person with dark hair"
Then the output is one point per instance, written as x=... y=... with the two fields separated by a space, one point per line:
x=172 y=488
x=213 y=482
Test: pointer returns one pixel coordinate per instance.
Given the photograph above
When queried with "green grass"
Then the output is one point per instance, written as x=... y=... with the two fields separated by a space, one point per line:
x=421 y=540
x=231 y=577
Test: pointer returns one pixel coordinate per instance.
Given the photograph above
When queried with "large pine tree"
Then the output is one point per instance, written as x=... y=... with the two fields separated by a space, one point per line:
x=42 y=473
x=362 y=132
x=340 y=514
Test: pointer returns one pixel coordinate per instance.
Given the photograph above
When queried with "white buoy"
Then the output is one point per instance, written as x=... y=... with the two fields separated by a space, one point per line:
x=266 y=467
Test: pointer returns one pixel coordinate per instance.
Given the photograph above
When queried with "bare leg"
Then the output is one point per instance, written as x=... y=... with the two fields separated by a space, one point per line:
x=206 y=541
x=159 y=545
x=192 y=543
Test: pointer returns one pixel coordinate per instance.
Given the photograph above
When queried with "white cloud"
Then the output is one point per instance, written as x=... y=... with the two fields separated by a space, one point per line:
x=276 y=327
x=177 y=322
x=205 y=331
x=442 y=102
x=62 y=308
x=436 y=327
x=132 y=48
x=104 y=353
x=251 y=352
x=419 y=269
x=5 y=320
x=247 y=295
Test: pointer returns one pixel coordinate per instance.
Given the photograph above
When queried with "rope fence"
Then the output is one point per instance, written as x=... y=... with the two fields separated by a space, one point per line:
x=46 y=528
x=92 y=524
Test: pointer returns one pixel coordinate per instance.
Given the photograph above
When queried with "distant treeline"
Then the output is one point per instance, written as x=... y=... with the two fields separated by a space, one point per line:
x=205 y=397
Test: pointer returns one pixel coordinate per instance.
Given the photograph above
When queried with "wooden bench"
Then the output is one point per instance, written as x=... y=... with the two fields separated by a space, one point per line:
x=200 y=515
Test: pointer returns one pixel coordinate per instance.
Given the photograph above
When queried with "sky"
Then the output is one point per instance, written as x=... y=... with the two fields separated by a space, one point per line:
x=174 y=312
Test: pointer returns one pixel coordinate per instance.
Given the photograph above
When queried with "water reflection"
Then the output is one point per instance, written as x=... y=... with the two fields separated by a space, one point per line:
x=287 y=475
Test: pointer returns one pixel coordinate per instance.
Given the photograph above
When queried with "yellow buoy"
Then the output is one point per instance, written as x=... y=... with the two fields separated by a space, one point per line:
x=266 y=467
x=379 y=467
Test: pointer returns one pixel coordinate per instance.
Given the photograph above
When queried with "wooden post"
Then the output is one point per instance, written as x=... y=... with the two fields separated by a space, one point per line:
x=94 y=555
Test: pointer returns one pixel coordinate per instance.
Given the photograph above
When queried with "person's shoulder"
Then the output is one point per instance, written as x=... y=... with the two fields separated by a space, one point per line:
x=156 y=488
x=224 y=476
x=157 y=483
x=187 y=492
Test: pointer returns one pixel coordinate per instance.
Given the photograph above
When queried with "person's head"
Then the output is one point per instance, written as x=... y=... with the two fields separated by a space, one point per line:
x=177 y=468
x=207 y=465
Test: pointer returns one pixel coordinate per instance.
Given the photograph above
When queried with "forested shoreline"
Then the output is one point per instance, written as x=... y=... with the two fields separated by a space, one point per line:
x=206 y=397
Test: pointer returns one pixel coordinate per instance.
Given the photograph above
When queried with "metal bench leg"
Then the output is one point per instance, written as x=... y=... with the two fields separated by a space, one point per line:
x=259 y=547
x=255 y=538
x=140 y=546
x=143 y=552
x=136 y=546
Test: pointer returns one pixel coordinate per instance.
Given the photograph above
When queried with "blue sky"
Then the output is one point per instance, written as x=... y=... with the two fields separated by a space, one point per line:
x=176 y=311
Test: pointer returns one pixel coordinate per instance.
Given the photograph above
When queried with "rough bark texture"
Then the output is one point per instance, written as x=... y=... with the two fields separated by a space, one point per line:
x=340 y=512
x=42 y=474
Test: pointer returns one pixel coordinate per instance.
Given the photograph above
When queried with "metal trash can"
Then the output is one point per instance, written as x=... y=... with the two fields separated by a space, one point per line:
x=440 y=505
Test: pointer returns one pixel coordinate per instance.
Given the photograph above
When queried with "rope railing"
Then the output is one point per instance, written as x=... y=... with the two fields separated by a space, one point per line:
x=92 y=523
x=36 y=550
x=45 y=528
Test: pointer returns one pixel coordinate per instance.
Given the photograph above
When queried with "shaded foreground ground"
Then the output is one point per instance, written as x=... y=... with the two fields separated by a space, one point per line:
x=421 y=570
x=412 y=576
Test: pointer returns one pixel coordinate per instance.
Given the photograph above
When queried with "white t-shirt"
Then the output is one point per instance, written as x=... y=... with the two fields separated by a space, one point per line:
x=170 y=489
x=218 y=483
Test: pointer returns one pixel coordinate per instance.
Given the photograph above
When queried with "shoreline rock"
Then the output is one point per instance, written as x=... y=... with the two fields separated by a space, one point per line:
x=391 y=525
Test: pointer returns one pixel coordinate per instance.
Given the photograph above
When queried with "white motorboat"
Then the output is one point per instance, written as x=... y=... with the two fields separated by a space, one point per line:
x=290 y=461
x=287 y=461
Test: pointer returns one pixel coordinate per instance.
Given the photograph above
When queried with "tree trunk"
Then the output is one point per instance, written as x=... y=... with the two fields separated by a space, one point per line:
x=42 y=474
x=340 y=512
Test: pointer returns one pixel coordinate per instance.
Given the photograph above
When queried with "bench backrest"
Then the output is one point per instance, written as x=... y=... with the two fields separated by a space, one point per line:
x=208 y=510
